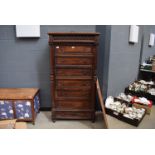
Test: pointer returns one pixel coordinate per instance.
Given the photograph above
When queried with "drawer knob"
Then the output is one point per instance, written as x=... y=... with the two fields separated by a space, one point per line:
x=57 y=47
x=73 y=46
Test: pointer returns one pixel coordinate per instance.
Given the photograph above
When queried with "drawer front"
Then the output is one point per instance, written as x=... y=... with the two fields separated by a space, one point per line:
x=73 y=115
x=73 y=61
x=73 y=49
x=73 y=104
x=73 y=83
x=71 y=93
x=73 y=72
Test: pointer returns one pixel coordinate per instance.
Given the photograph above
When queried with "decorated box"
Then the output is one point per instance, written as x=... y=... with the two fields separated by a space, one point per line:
x=19 y=103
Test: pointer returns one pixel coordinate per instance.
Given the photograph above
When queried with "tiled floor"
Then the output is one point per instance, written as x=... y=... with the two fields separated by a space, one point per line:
x=43 y=121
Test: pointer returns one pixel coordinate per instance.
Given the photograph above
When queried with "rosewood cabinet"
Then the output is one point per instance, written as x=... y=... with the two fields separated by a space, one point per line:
x=73 y=75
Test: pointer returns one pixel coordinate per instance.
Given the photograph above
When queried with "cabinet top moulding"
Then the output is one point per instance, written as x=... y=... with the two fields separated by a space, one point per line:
x=73 y=38
x=73 y=33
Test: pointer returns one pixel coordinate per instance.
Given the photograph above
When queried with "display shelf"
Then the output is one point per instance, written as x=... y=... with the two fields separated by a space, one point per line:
x=121 y=117
x=141 y=94
x=147 y=75
x=145 y=70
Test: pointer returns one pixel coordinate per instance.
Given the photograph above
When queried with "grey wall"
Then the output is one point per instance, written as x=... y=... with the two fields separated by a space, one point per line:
x=146 y=50
x=123 y=60
x=26 y=62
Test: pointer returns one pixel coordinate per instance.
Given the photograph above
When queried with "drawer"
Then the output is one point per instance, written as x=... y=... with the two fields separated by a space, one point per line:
x=74 y=61
x=73 y=88
x=73 y=94
x=73 y=83
x=73 y=104
x=73 y=115
x=73 y=72
x=73 y=49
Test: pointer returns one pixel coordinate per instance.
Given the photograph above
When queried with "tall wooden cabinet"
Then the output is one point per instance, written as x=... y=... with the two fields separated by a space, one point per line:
x=73 y=75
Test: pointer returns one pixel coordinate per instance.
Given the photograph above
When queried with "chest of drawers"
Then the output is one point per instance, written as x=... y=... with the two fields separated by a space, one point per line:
x=73 y=75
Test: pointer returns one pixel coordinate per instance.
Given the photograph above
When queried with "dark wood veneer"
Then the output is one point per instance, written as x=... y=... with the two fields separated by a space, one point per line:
x=73 y=74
